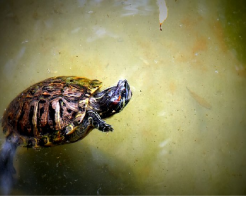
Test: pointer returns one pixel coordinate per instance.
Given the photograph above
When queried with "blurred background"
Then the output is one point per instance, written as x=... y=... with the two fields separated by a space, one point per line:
x=183 y=132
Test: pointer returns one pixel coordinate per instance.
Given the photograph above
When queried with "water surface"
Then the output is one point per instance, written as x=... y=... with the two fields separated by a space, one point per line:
x=183 y=133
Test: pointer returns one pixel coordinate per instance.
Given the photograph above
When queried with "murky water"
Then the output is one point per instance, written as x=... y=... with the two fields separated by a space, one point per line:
x=183 y=133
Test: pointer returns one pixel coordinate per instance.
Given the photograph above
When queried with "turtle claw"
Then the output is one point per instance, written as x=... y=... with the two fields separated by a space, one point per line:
x=106 y=128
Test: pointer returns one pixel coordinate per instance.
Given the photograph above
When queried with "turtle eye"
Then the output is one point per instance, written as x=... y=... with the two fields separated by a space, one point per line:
x=123 y=92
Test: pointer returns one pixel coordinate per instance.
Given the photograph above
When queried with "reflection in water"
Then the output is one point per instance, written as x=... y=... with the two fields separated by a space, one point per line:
x=132 y=8
x=166 y=142
x=99 y=33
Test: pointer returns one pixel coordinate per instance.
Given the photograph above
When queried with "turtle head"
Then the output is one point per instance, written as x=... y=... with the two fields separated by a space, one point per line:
x=112 y=100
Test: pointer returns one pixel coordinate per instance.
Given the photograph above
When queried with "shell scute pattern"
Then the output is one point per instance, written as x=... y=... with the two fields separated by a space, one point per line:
x=47 y=106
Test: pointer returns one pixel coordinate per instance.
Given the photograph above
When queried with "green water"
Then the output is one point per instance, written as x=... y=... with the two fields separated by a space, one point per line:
x=183 y=132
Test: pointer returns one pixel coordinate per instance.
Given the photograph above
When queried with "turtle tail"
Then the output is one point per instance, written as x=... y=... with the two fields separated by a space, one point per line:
x=7 y=169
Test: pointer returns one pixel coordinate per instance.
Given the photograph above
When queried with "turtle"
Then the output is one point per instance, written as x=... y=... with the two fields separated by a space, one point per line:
x=59 y=110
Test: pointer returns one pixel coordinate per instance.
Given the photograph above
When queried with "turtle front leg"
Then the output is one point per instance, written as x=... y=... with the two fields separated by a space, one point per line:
x=96 y=121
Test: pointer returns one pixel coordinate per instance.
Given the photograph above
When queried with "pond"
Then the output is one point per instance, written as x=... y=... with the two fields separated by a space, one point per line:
x=182 y=133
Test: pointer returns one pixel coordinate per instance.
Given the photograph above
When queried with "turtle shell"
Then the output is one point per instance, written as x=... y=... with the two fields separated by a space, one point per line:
x=49 y=107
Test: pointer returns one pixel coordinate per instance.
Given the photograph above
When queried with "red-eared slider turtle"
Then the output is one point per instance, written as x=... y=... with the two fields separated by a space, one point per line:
x=59 y=110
